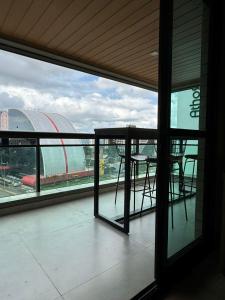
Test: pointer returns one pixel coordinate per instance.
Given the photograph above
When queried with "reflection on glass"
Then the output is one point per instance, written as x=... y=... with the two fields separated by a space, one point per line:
x=188 y=108
x=185 y=108
x=112 y=171
x=66 y=167
x=147 y=174
x=17 y=172
x=185 y=193
x=189 y=65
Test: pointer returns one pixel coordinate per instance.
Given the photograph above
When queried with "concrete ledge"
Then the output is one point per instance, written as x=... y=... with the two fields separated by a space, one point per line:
x=47 y=198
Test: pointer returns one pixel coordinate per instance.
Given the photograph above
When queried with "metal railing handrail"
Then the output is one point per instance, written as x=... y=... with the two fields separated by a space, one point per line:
x=5 y=135
x=45 y=135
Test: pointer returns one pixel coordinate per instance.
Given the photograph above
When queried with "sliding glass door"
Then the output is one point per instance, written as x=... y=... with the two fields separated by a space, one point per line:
x=182 y=131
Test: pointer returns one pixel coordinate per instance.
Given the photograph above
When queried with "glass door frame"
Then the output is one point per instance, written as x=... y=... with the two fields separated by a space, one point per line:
x=165 y=267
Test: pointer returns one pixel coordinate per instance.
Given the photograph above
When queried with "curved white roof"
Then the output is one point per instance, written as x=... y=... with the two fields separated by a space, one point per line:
x=56 y=160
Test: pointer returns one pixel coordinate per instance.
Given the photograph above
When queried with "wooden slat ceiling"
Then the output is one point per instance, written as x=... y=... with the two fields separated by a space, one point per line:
x=120 y=36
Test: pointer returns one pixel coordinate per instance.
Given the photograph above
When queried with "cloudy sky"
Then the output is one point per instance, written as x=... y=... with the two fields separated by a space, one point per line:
x=87 y=101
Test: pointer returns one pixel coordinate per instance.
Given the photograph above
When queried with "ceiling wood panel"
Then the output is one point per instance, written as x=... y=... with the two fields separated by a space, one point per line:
x=80 y=21
x=139 y=20
x=125 y=18
x=117 y=42
x=101 y=29
x=5 y=8
x=135 y=59
x=15 y=15
x=119 y=36
x=46 y=19
x=136 y=51
x=32 y=16
x=139 y=68
x=100 y=20
x=64 y=19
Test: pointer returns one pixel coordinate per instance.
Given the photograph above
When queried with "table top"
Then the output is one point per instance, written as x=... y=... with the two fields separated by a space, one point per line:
x=127 y=132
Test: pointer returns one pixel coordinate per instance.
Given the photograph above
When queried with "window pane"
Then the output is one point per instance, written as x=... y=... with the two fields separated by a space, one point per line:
x=111 y=171
x=189 y=64
x=185 y=108
x=17 y=172
x=186 y=163
x=74 y=169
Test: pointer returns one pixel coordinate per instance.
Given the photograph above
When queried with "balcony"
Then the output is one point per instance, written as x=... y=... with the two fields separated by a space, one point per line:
x=45 y=243
x=66 y=251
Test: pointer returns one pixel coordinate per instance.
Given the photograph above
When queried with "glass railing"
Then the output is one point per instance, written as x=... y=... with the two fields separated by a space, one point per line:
x=50 y=163
x=44 y=163
x=67 y=167
x=110 y=158
x=32 y=162
x=17 y=163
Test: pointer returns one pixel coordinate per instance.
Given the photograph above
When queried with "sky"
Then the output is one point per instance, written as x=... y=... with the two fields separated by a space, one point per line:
x=88 y=101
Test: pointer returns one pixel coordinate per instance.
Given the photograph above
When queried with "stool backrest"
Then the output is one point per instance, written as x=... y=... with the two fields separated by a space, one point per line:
x=178 y=147
x=118 y=146
x=149 y=149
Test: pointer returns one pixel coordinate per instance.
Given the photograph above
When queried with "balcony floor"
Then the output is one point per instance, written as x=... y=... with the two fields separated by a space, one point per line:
x=63 y=252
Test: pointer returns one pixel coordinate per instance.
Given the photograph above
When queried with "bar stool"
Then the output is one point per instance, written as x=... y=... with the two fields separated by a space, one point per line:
x=122 y=161
x=148 y=190
x=174 y=160
x=191 y=158
x=176 y=164
x=151 y=161
x=147 y=150
x=177 y=151
x=134 y=160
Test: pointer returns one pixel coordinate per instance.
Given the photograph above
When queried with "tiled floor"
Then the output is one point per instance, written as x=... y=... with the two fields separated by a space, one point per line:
x=63 y=252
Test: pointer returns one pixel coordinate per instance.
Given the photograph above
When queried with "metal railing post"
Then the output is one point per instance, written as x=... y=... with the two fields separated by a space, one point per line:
x=96 y=178
x=38 y=166
x=127 y=184
x=137 y=151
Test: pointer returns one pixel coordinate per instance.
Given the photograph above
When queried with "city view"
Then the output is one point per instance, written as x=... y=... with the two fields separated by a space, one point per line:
x=50 y=98
x=63 y=163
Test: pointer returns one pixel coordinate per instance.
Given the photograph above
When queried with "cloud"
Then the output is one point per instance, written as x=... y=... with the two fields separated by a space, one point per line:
x=87 y=101
x=9 y=101
x=23 y=71
x=123 y=89
x=88 y=112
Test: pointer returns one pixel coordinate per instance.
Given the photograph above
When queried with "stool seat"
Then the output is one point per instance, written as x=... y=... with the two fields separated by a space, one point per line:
x=123 y=155
x=191 y=156
x=135 y=158
x=139 y=157
x=176 y=158
x=148 y=187
x=152 y=160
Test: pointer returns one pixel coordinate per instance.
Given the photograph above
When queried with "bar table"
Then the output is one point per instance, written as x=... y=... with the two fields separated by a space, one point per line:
x=127 y=134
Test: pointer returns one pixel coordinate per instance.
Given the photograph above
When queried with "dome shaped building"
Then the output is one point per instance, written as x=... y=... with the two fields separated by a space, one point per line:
x=54 y=160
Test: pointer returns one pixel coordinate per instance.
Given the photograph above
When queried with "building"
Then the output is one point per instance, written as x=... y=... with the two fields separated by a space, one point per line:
x=60 y=159
x=4 y=120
